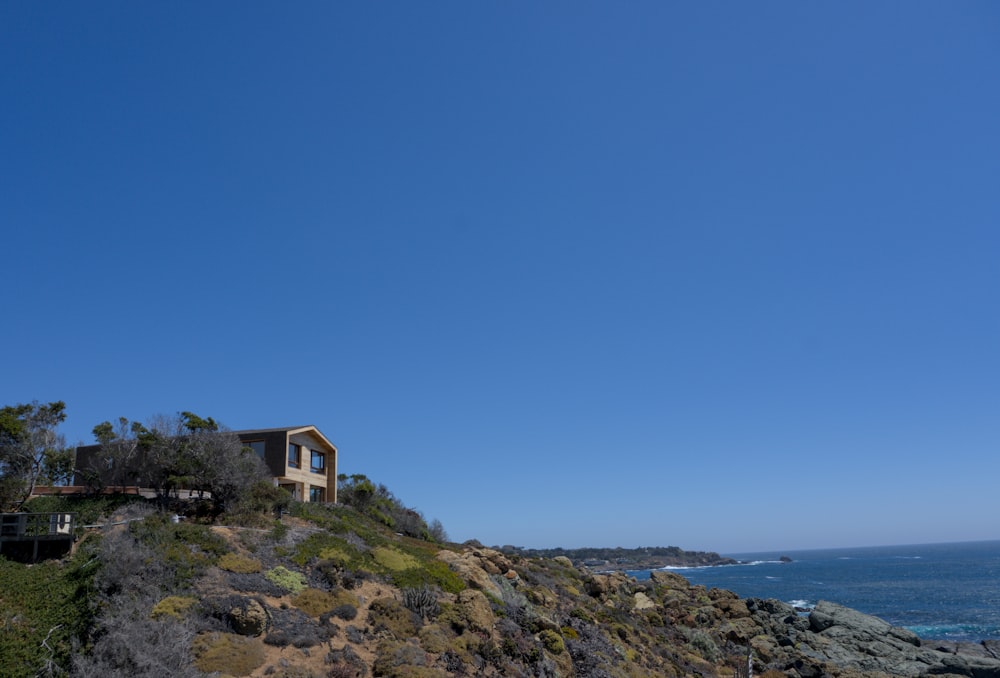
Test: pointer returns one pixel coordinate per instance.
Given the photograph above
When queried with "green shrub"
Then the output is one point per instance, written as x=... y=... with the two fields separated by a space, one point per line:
x=393 y=559
x=294 y=582
x=262 y=499
x=279 y=531
x=552 y=641
x=186 y=548
x=434 y=639
x=342 y=521
x=314 y=602
x=227 y=653
x=395 y=659
x=34 y=600
x=233 y=562
x=345 y=611
x=326 y=547
x=431 y=573
x=201 y=537
x=388 y=614
x=705 y=646
x=173 y=606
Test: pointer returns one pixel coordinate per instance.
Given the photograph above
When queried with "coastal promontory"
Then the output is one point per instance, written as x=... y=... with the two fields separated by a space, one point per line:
x=339 y=591
x=620 y=559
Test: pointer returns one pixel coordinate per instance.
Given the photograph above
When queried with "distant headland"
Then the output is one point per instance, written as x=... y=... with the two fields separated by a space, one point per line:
x=621 y=559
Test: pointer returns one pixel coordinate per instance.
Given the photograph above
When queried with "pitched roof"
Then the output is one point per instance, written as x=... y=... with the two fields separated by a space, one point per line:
x=289 y=429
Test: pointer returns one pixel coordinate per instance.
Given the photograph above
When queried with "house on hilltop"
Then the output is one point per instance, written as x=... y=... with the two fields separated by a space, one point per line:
x=301 y=460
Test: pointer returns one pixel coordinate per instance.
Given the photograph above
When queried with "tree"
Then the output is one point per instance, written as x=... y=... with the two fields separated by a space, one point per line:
x=355 y=490
x=221 y=464
x=119 y=461
x=376 y=501
x=437 y=531
x=189 y=452
x=163 y=468
x=30 y=449
x=193 y=423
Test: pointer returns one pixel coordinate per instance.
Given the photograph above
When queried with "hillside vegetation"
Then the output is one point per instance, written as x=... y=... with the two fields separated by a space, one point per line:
x=338 y=591
x=329 y=590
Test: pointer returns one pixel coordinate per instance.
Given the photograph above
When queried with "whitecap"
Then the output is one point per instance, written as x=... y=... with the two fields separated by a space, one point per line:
x=712 y=567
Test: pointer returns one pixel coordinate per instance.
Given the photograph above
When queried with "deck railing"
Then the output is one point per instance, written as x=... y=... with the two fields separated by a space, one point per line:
x=36 y=525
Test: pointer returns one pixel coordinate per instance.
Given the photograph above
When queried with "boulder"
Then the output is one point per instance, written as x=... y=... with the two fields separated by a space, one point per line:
x=739 y=631
x=827 y=614
x=476 y=610
x=470 y=568
x=642 y=602
x=249 y=618
x=669 y=579
x=732 y=608
x=600 y=585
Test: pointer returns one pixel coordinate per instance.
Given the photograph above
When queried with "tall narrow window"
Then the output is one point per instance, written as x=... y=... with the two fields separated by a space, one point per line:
x=318 y=463
x=294 y=454
x=317 y=494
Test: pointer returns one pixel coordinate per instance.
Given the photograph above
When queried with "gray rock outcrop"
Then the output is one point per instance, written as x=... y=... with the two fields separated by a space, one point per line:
x=847 y=638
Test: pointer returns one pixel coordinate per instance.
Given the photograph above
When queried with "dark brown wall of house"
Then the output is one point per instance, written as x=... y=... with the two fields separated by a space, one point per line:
x=275 y=449
x=85 y=458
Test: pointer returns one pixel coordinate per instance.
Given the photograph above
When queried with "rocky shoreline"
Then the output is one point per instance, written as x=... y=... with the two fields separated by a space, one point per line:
x=835 y=635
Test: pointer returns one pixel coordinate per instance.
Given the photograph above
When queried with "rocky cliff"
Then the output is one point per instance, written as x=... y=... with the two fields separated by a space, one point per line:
x=331 y=593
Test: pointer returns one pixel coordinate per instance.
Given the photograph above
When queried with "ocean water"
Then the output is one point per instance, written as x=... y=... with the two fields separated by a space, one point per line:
x=938 y=591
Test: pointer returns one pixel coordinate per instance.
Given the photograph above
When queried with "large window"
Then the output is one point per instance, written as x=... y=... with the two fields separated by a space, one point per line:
x=294 y=455
x=317 y=494
x=318 y=463
x=257 y=446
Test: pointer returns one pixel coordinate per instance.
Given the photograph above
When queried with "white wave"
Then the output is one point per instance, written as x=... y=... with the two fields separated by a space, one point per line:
x=802 y=603
x=676 y=567
x=681 y=568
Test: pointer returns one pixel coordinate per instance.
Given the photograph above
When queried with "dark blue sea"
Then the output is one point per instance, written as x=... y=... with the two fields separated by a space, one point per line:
x=938 y=591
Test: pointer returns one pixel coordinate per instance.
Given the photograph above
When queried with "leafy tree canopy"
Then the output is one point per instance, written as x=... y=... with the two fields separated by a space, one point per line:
x=194 y=423
x=31 y=450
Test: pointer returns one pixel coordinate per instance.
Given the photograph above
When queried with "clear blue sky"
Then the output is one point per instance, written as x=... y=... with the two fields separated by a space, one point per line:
x=720 y=276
